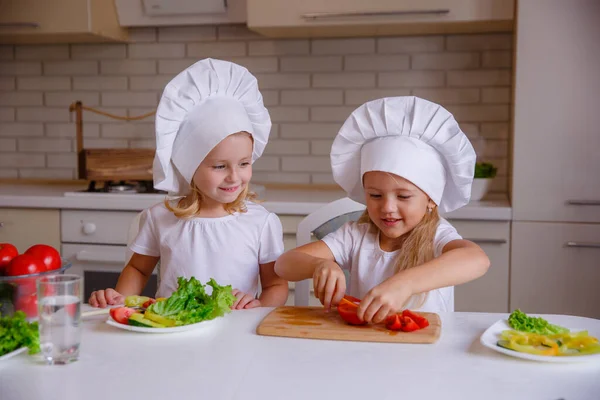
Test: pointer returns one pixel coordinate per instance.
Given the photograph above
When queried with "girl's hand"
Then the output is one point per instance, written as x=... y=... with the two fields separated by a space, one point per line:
x=385 y=299
x=329 y=282
x=102 y=298
x=244 y=301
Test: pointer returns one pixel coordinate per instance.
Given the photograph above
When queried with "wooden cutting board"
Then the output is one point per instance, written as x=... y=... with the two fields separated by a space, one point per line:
x=315 y=323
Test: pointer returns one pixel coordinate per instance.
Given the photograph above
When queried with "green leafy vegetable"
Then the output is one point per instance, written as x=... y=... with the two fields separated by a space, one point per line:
x=485 y=170
x=16 y=332
x=519 y=321
x=190 y=303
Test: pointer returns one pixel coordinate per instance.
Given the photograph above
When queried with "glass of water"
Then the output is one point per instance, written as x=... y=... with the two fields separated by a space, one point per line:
x=59 y=311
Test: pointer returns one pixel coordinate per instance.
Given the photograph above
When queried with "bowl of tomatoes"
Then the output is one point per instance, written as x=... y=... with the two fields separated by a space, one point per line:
x=19 y=272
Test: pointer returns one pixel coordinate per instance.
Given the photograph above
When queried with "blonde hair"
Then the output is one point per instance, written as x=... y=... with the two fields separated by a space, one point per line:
x=416 y=246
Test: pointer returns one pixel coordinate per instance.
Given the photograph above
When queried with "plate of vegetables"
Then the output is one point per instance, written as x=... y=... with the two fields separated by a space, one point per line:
x=534 y=338
x=188 y=308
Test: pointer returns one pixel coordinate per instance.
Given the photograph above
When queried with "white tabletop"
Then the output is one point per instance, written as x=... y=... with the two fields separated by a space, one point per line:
x=231 y=362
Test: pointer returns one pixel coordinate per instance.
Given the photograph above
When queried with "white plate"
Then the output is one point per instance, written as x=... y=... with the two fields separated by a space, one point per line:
x=198 y=325
x=13 y=353
x=491 y=336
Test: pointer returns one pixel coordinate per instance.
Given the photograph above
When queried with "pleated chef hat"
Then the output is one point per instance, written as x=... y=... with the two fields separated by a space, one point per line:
x=412 y=138
x=200 y=107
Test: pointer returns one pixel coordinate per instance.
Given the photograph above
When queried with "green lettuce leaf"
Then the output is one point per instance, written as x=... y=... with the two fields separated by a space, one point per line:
x=16 y=332
x=519 y=321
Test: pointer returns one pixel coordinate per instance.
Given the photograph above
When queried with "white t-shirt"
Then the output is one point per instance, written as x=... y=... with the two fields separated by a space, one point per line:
x=228 y=249
x=357 y=249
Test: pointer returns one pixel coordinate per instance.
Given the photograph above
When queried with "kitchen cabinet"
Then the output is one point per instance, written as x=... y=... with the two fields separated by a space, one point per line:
x=26 y=227
x=59 y=21
x=556 y=268
x=314 y=18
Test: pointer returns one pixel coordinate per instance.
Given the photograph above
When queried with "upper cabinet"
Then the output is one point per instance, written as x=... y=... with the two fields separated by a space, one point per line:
x=59 y=21
x=337 y=18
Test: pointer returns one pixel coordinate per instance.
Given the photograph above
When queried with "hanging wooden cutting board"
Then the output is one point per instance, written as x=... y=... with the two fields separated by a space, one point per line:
x=315 y=323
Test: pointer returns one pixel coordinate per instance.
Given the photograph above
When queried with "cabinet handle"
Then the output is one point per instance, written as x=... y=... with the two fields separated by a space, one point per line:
x=488 y=241
x=315 y=16
x=19 y=25
x=585 y=245
x=583 y=202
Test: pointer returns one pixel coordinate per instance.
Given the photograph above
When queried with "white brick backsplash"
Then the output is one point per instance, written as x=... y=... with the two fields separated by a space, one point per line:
x=156 y=82
x=496 y=149
x=288 y=114
x=42 y=52
x=89 y=116
x=471 y=130
x=309 y=131
x=7 y=114
x=287 y=147
x=410 y=44
x=495 y=95
x=131 y=130
x=257 y=64
x=266 y=163
x=71 y=68
x=219 y=49
x=17 y=160
x=52 y=145
x=377 y=62
x=305 y=164
x=279 y=177
x=65 y=99
x=477 y=113
x=449 y=96
x=411 y=79
x=128 y=67
x=479 y=42
x=311 y=64
x=312 y=97
x=8 y=145
x=187 y=33
x=141 y=35
x=106 y=144
x=21 y=99
x=270 y=97
x=7 y=52
x=359 y=96
x=46 y=173
x=274 y=131
x=499 y=185
x=43 y=114
x=343 y=46
x=283 y=81
x=444 y=61
x=495 y=130
x=7 y=83
x=45 y=83
x=21 y=129
x=496 y=59
x=9 y=173
x=65 y=160
x=236 y=32
x=156 y=50
x=479 y=78
x=104 y=83
x=68 y=130
x=142 y=144
x=20 y=68
x=173 y=67
x=344 y=80
x=278 y=47
x=320 y=147
x=322 y=179
x=98 y=51
x=330 y=114
x=137 y=99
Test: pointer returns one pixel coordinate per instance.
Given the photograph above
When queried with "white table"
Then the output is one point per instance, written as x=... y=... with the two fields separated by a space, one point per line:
x=231 y=362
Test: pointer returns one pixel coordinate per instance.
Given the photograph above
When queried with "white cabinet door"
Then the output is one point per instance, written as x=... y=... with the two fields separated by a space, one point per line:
x=26 y=227
x=557 y=119
x=555 y=268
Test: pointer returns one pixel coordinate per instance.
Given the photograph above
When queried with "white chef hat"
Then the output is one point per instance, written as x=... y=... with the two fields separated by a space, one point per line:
x=200 y=107
x=409 y=137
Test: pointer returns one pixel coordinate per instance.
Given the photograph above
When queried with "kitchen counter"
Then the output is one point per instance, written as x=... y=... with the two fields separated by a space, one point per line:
x=228 y=360
x=280 y=201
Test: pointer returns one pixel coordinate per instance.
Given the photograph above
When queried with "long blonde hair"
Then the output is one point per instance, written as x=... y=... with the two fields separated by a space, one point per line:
x=416 y=246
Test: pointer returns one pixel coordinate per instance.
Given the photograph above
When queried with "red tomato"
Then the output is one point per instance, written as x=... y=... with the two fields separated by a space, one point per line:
x=148 y=303
x=25 y=264
x=121 y=314
x=7 y=253
x=348 y=314
x=27 y=304
x=25 y=287
x=48 y=254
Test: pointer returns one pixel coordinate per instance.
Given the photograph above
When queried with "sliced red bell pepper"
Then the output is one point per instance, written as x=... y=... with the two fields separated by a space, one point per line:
x=419 y=319
x=393 y=322
x=408 y=325
x=352 y=299
x=399 y=322
x=347 y=311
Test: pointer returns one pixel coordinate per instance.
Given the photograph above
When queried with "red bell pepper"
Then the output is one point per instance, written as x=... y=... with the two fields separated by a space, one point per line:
x=398 y=322
x=420 y=320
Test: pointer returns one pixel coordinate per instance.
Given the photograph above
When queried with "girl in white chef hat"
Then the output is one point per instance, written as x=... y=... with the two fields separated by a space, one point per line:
x=211 y=125
x=403 y=157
